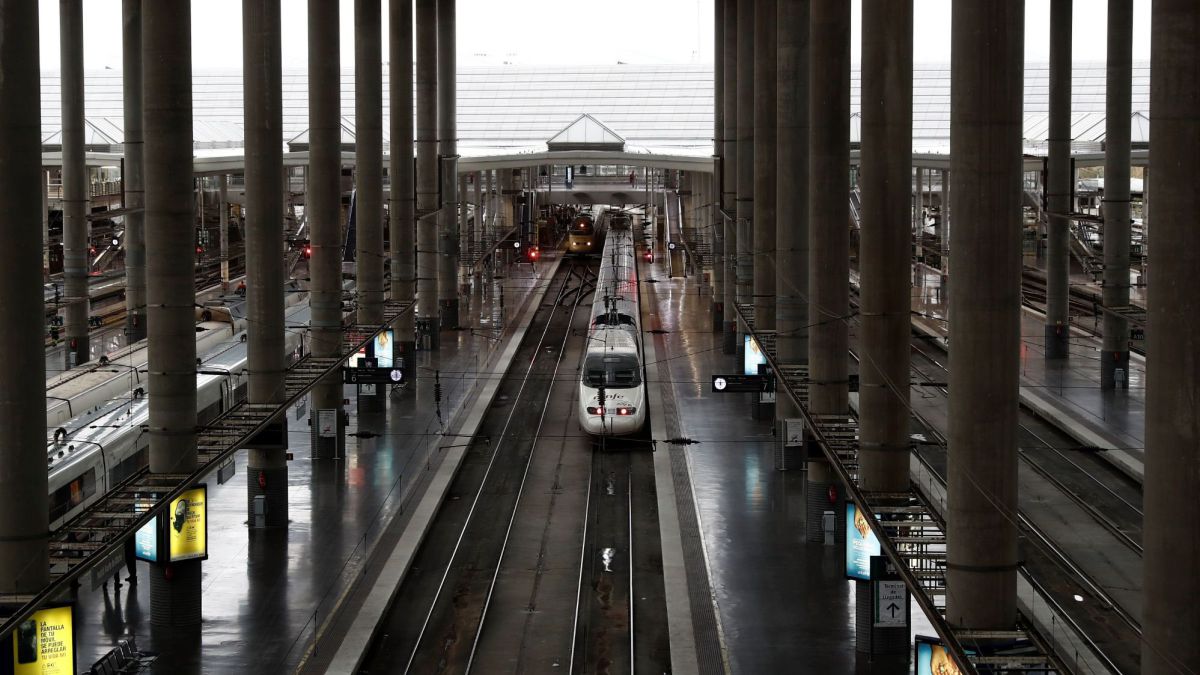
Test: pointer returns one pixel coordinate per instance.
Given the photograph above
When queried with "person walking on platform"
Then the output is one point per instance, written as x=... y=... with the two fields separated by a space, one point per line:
x=632 y=179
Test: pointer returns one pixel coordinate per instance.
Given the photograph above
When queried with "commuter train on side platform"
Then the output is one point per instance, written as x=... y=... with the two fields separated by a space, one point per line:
x=612 y=393
x=95 y=451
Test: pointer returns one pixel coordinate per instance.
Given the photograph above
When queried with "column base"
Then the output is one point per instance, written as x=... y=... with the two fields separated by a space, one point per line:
x=448 y=314
x=1114 y=370
x=175 y=599
x=871 y=640
x=1058 y=342
x=718 y=316
x=730 y=342
x=267 y=476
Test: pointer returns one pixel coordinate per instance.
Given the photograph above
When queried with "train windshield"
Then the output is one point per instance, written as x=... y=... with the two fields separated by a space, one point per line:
x=615 y=371
x=582 y=227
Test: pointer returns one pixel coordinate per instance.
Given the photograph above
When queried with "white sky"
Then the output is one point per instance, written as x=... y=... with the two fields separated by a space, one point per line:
x=550 y=32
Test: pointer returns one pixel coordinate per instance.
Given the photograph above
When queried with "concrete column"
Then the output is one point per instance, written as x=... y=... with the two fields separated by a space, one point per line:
x=427 y=166
x=368 y=109
x=985 y=130
x=263 y=92
x=943 y=226
x=447 y=268
x=223 y=220
x=887 y=73
x=728 y=185
x=464 y=233
x=765 y=29
x=74 y=185
x=745 y=153
x=791 y=166
x=45 y=226
x=716 y=231
x=324 y=207
x=170 y=268
x=480 y=210
x=1171 y=619
x=828 y=216
x=884 y=247
x=402 y=209
x=1119 y=91
x=133 y=176
x=24 y=524
x=1058 y=185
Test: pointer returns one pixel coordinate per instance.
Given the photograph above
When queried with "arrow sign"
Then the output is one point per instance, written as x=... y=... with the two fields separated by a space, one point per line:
x=891 y=604
x=738 y=383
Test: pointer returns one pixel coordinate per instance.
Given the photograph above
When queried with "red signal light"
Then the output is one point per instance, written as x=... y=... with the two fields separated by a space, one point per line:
x=534 y=253
x=199 y=250
x=307 y=252
x=649 y=256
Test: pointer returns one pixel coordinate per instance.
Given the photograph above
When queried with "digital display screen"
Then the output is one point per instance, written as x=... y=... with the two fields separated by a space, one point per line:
x=752 y=356
x=861 y=544
x=145 y=542
x=933 y=659
x=44 y=644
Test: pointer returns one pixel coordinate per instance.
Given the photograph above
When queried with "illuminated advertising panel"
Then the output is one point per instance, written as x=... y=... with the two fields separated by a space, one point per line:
x=187 y=525
x=43 y=644
x=861 y=544
x=752 y=356
x=933 y=658
x=383 y=344
x=145 y=542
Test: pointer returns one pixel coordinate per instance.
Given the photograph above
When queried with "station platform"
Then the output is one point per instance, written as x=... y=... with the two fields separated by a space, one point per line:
x=778 y=600
x=1067 y=392
x=268 y=593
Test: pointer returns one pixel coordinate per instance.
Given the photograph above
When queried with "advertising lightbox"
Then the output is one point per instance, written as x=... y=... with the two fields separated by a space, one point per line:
x=383 y=345
x=752 y=356
x=145 y=542
x=187 y=527
x=43 y=644
x=861 y=544
x=932 y=658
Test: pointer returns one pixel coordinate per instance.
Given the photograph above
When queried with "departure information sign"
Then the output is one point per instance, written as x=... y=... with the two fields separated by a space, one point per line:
x=722 y=384
x=43 y=644
x=187 y=530
x=861 y=544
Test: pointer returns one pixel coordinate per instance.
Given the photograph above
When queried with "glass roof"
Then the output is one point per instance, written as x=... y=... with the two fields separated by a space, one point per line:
x=665 y=108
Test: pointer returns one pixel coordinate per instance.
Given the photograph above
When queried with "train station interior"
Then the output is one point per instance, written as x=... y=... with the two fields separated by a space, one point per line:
x=446 y=336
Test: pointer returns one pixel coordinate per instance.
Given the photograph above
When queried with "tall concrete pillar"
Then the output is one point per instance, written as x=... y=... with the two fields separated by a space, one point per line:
x=745 y=152
x=24 y=509
x=368 y=109
x=448 y=253
x=74 y=184
x=985 y=130
x=170 y=269
x=828 y=217
x=887 y=73
x=1171 y=619
x=427 y=168
x=324 y=208
x=1114 y=361
x=1058 y=185
x=133 y=175
x=402 y=207
x=223 y=225
x=464 y=233
x=765 y=29
x=263 y=94
x=884 y=247
x=791 y=199
x=728 y=186
x=720 y=163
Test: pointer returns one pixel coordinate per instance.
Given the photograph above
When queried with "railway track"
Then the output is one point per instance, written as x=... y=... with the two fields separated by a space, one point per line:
x=1090 y=486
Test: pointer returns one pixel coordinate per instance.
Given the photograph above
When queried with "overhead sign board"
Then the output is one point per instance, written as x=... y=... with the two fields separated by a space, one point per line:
x=372 y=375
x=43 y=644
x=861 y=544
x=722 y=384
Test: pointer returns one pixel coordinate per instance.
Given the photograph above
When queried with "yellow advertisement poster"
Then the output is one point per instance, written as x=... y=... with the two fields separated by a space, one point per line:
x=187 y=529
x=45 y=644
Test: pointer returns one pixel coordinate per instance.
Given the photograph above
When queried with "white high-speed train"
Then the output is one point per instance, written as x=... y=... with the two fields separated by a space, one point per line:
x=81 y=391
x=104 y=447
x=612 y=395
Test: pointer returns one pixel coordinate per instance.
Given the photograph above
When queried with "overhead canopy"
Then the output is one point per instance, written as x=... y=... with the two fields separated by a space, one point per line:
x=586 y=133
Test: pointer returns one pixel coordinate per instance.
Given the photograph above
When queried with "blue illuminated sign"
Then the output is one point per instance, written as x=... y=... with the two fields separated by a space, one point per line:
x=861 y=544
x=146 y=542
